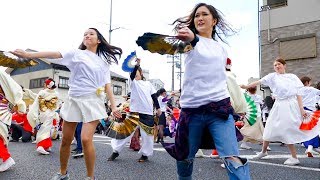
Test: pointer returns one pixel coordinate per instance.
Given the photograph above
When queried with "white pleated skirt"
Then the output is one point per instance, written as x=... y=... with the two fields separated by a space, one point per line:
x=84 y=108
x=284 y=121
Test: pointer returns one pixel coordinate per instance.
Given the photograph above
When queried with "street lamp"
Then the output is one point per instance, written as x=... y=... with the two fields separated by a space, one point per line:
x=110 y=23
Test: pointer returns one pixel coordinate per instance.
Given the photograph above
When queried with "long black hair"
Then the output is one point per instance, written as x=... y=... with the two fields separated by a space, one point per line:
x=108 y=51
x=222 y=27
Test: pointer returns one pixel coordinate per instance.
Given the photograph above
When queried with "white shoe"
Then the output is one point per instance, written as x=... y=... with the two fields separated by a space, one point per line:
x=34 y=142
x=214 y=156
x=245 y=145
x=223 y=166
x=268 y=148
x=42 y=151
x=7 y=164
x=260 y=155
x=292 y=161
x=199 y=154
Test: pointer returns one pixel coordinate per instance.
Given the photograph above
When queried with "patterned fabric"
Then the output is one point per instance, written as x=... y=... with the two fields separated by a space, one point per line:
x=252 y=110
x=123 y=129
x=146 y=122
x=162 y=44
x=311 y=121
x=179 y=150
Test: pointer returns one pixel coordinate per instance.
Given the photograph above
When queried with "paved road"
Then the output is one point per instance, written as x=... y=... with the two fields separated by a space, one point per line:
x=30 y=165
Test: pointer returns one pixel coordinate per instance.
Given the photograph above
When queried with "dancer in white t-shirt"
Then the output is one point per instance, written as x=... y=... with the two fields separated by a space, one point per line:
x=89 y=81
x=206 y=108
x=310 y=97
x=287 y=112
x=143 y=98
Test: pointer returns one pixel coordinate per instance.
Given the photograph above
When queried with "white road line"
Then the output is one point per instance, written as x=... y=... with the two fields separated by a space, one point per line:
x=278 y=156
x=285 y=156
x=282 y=165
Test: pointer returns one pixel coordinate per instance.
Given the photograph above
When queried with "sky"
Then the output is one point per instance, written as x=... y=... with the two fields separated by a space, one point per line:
x=46 y=25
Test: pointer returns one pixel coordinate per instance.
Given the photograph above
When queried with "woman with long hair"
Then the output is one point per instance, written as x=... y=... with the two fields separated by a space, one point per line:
x=89 y=81
x=205 y=99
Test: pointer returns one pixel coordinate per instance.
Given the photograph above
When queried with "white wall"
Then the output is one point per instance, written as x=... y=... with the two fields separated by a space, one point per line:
x=297 y=12
x=119 y=99
x=24 y=80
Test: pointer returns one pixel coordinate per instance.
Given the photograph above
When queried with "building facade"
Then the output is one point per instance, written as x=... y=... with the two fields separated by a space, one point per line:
x=157 y=83
x=290 y=29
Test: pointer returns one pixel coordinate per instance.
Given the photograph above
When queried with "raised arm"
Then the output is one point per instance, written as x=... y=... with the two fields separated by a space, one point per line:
x=50 y=55
x=253 y=84
x=134 y=72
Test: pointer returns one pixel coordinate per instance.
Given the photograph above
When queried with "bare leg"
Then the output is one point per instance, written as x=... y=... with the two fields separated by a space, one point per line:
x=67 y=137
x=88 y=129
x=265 y=146
x=292 y=150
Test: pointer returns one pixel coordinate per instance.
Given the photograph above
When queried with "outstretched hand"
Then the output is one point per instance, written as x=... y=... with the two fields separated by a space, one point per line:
x=20 y=53
x=185 y=34
x=116 y=113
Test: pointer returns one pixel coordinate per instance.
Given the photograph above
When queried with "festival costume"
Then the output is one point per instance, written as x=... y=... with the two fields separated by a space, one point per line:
x=41 y=115
x=12 y=96
x=310 y=96
x=122 y=131
x=252 y=129
x=285 y=117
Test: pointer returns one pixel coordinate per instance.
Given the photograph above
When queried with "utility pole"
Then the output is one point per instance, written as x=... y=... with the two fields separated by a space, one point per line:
x=172 y=86
x=110 y=22
x=173 y=62
x=180 y=71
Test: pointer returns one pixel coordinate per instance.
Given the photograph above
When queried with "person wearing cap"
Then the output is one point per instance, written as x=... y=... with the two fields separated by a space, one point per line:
x=10 y=94
x=42 y=113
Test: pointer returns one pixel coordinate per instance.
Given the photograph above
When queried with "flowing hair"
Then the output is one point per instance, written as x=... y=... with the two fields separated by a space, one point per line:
x=221 y=28
x=108 y=51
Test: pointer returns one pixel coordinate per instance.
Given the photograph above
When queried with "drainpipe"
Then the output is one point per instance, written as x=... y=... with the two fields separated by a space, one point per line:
x=268 y=11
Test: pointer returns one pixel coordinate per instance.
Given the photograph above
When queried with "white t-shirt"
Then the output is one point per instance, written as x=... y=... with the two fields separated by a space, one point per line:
x=141 y=100
x=205 y=76
x=88 y=71
x=310 y=96
x=162 y=105
x=282 y=85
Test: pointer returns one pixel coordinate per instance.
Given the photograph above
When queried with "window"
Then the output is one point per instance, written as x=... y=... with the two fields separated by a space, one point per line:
x=37 y=83
x=117 y=90
x=298 y=48
x=63 y=82
x=277 y=3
